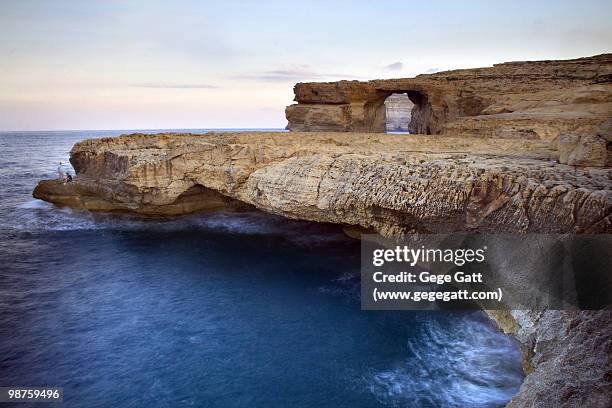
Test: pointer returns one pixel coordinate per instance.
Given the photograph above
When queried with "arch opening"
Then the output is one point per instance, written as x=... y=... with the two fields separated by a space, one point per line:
x=398 y=111
x=401 y=111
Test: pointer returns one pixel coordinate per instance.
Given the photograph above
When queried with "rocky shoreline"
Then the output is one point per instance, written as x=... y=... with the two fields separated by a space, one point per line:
x=391 y=184
x=518 y=148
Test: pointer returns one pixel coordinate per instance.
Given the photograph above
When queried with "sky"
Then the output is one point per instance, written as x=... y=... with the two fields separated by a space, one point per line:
x=232 y=64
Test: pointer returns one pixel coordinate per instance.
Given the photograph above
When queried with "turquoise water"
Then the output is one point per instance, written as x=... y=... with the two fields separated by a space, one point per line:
x=214 y=310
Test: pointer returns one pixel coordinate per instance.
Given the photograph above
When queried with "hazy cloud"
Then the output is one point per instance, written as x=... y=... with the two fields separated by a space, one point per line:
x=396 y=66
x=301 y=73
x=433 y=70
x=175 y=86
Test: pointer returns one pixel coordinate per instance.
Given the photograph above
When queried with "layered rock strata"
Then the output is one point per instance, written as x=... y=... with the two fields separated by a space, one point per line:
x=526 y=148
x=391 y=184
x=528 y=100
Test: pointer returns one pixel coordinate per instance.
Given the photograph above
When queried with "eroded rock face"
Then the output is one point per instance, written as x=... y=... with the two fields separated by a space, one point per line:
x=586 y=150
x=566 y=354
x=522 y=100
x=392 y=184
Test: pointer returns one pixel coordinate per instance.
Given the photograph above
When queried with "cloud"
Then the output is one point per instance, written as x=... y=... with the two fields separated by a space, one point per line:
x=433 y=70
x=175 y=86
x=300 y=73
x=396 y=66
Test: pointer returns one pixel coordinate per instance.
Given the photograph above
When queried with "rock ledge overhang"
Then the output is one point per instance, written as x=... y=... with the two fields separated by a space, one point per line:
x=390 y=184
x=521 y=147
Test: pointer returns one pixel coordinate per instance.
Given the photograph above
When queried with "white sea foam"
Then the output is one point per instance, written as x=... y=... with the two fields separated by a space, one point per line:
x=37 y=215
x=470 y=364
x=35 y=204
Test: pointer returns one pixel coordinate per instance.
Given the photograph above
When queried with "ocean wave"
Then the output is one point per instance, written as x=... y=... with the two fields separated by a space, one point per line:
x=469 y=364
x=37 y=216
x=35 y=204
x=259 y=223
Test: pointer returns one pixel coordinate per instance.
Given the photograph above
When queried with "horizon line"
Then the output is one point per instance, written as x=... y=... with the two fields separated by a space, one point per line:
x=131 y=129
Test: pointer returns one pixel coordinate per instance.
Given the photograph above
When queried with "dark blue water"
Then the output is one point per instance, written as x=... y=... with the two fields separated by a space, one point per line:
x=214 y=310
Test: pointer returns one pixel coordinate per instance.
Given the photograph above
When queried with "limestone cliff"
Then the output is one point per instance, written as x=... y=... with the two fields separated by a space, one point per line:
x=386 y=183
x=532 y=100
x=390 y=184
x=526 y=149
x=566 y=356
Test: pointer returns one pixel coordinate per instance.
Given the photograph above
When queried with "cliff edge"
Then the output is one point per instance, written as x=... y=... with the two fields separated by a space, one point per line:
x=524 y=100
x=392 y=184
x=520 y=147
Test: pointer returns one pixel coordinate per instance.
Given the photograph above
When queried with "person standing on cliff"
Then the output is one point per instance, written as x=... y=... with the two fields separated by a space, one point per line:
x=60 y=172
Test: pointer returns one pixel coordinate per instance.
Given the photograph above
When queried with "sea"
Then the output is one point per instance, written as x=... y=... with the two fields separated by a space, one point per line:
x=214 y=310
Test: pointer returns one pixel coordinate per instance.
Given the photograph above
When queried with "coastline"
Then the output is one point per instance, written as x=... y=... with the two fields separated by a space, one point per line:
x=521 y=147
x=319 y=177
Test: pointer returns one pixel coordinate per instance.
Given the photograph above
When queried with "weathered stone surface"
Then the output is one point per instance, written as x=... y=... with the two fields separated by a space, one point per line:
x=566 y=354
x=533 y=100
x=98 y=197
x=526 y=149
x=587 y=150
x=392 y=184
x=605 y=130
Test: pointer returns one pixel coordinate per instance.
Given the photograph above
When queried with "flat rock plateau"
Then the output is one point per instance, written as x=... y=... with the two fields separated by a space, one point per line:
x=520 y=147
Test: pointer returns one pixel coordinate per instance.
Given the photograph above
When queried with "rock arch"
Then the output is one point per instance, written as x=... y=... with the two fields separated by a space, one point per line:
x=352 y=106
x=422 y=118
x=514 y=100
